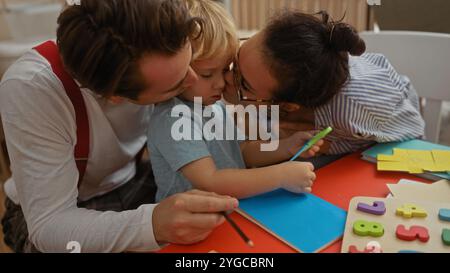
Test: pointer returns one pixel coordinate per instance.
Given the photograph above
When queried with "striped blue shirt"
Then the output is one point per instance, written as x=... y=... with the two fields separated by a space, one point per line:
x=376 y=105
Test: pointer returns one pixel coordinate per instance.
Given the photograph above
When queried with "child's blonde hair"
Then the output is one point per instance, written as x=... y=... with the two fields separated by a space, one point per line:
x=218 y=35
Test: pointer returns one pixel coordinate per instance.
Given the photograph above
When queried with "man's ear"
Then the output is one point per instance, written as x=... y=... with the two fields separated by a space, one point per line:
x=289 y=107
x=116 y=99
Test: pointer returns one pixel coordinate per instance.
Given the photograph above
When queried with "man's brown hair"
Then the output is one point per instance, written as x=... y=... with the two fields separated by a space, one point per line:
x=101 y=41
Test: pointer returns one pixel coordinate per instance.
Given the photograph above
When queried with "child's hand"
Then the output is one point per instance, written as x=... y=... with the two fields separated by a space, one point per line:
x=297 y=140
x=296 y=176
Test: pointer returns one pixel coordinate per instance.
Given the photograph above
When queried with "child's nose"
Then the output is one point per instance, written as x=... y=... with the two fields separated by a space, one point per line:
x=220 y=83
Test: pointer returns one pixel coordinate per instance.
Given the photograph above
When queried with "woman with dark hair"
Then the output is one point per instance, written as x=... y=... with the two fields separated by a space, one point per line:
x=315 y=70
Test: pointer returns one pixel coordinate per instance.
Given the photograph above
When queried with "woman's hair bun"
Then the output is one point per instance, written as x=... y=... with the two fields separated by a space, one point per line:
x=344 y=37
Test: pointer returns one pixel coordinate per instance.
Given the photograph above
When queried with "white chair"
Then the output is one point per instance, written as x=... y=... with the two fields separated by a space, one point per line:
x=24 y=24
x=425 y=58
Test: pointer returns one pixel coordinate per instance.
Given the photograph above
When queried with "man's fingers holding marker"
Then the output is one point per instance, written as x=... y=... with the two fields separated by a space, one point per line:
x=204 y=203
x=206 y=220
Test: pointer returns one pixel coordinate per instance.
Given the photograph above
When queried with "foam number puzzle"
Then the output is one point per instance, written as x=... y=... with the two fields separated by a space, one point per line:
x=364 y=228
x=372 y=247
x=413 y=233
x=405 y=226
x=411 y=210
x=446 y=236
x=377 y=208
x=444 y=214
x=437 y=192
x=415 y=161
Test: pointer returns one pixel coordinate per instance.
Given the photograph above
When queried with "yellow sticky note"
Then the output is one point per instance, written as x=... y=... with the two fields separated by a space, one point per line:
x=392 y=166
x=415 y=169
x=415 y=161
x=397 y=155
x=382 y=157
x=401 y=153
x=442 y=160
x=420 y=156
x=420 y=160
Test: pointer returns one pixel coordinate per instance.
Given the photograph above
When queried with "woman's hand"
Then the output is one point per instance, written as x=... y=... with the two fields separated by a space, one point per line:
x=296 y=141
x=288 y=128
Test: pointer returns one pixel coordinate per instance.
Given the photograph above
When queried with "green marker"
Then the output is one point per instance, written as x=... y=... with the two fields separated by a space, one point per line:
x=312 y=141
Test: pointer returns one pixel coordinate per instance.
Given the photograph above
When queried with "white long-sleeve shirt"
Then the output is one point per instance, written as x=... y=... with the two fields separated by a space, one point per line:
x=40 y=129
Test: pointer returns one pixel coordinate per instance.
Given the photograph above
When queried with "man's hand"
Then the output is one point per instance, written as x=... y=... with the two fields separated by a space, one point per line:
x=189 y=217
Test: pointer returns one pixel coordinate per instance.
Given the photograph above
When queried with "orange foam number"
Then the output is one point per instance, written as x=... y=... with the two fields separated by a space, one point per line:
x=414 y=232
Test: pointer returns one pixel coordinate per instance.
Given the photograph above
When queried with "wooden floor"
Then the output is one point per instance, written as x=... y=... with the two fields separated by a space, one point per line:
x=3 y=247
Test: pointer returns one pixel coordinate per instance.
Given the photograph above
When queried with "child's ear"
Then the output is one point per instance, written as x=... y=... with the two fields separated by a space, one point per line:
x=289 y=107
x=116 y=99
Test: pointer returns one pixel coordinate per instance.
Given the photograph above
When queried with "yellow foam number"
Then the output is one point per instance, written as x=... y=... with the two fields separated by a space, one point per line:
x=365 y=228
x=411 y=210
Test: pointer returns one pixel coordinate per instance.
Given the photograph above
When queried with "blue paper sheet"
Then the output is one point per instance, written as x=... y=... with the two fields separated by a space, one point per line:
x=305 y=221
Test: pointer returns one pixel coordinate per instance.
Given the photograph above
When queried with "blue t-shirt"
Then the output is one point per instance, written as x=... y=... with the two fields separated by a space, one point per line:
x=168 y=154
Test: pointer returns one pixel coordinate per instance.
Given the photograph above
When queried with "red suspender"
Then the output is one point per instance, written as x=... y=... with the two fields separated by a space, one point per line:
x=50 y=51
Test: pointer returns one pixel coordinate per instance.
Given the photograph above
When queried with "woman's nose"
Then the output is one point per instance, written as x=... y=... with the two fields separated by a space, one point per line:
x=229 y=79
x=230 y=93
